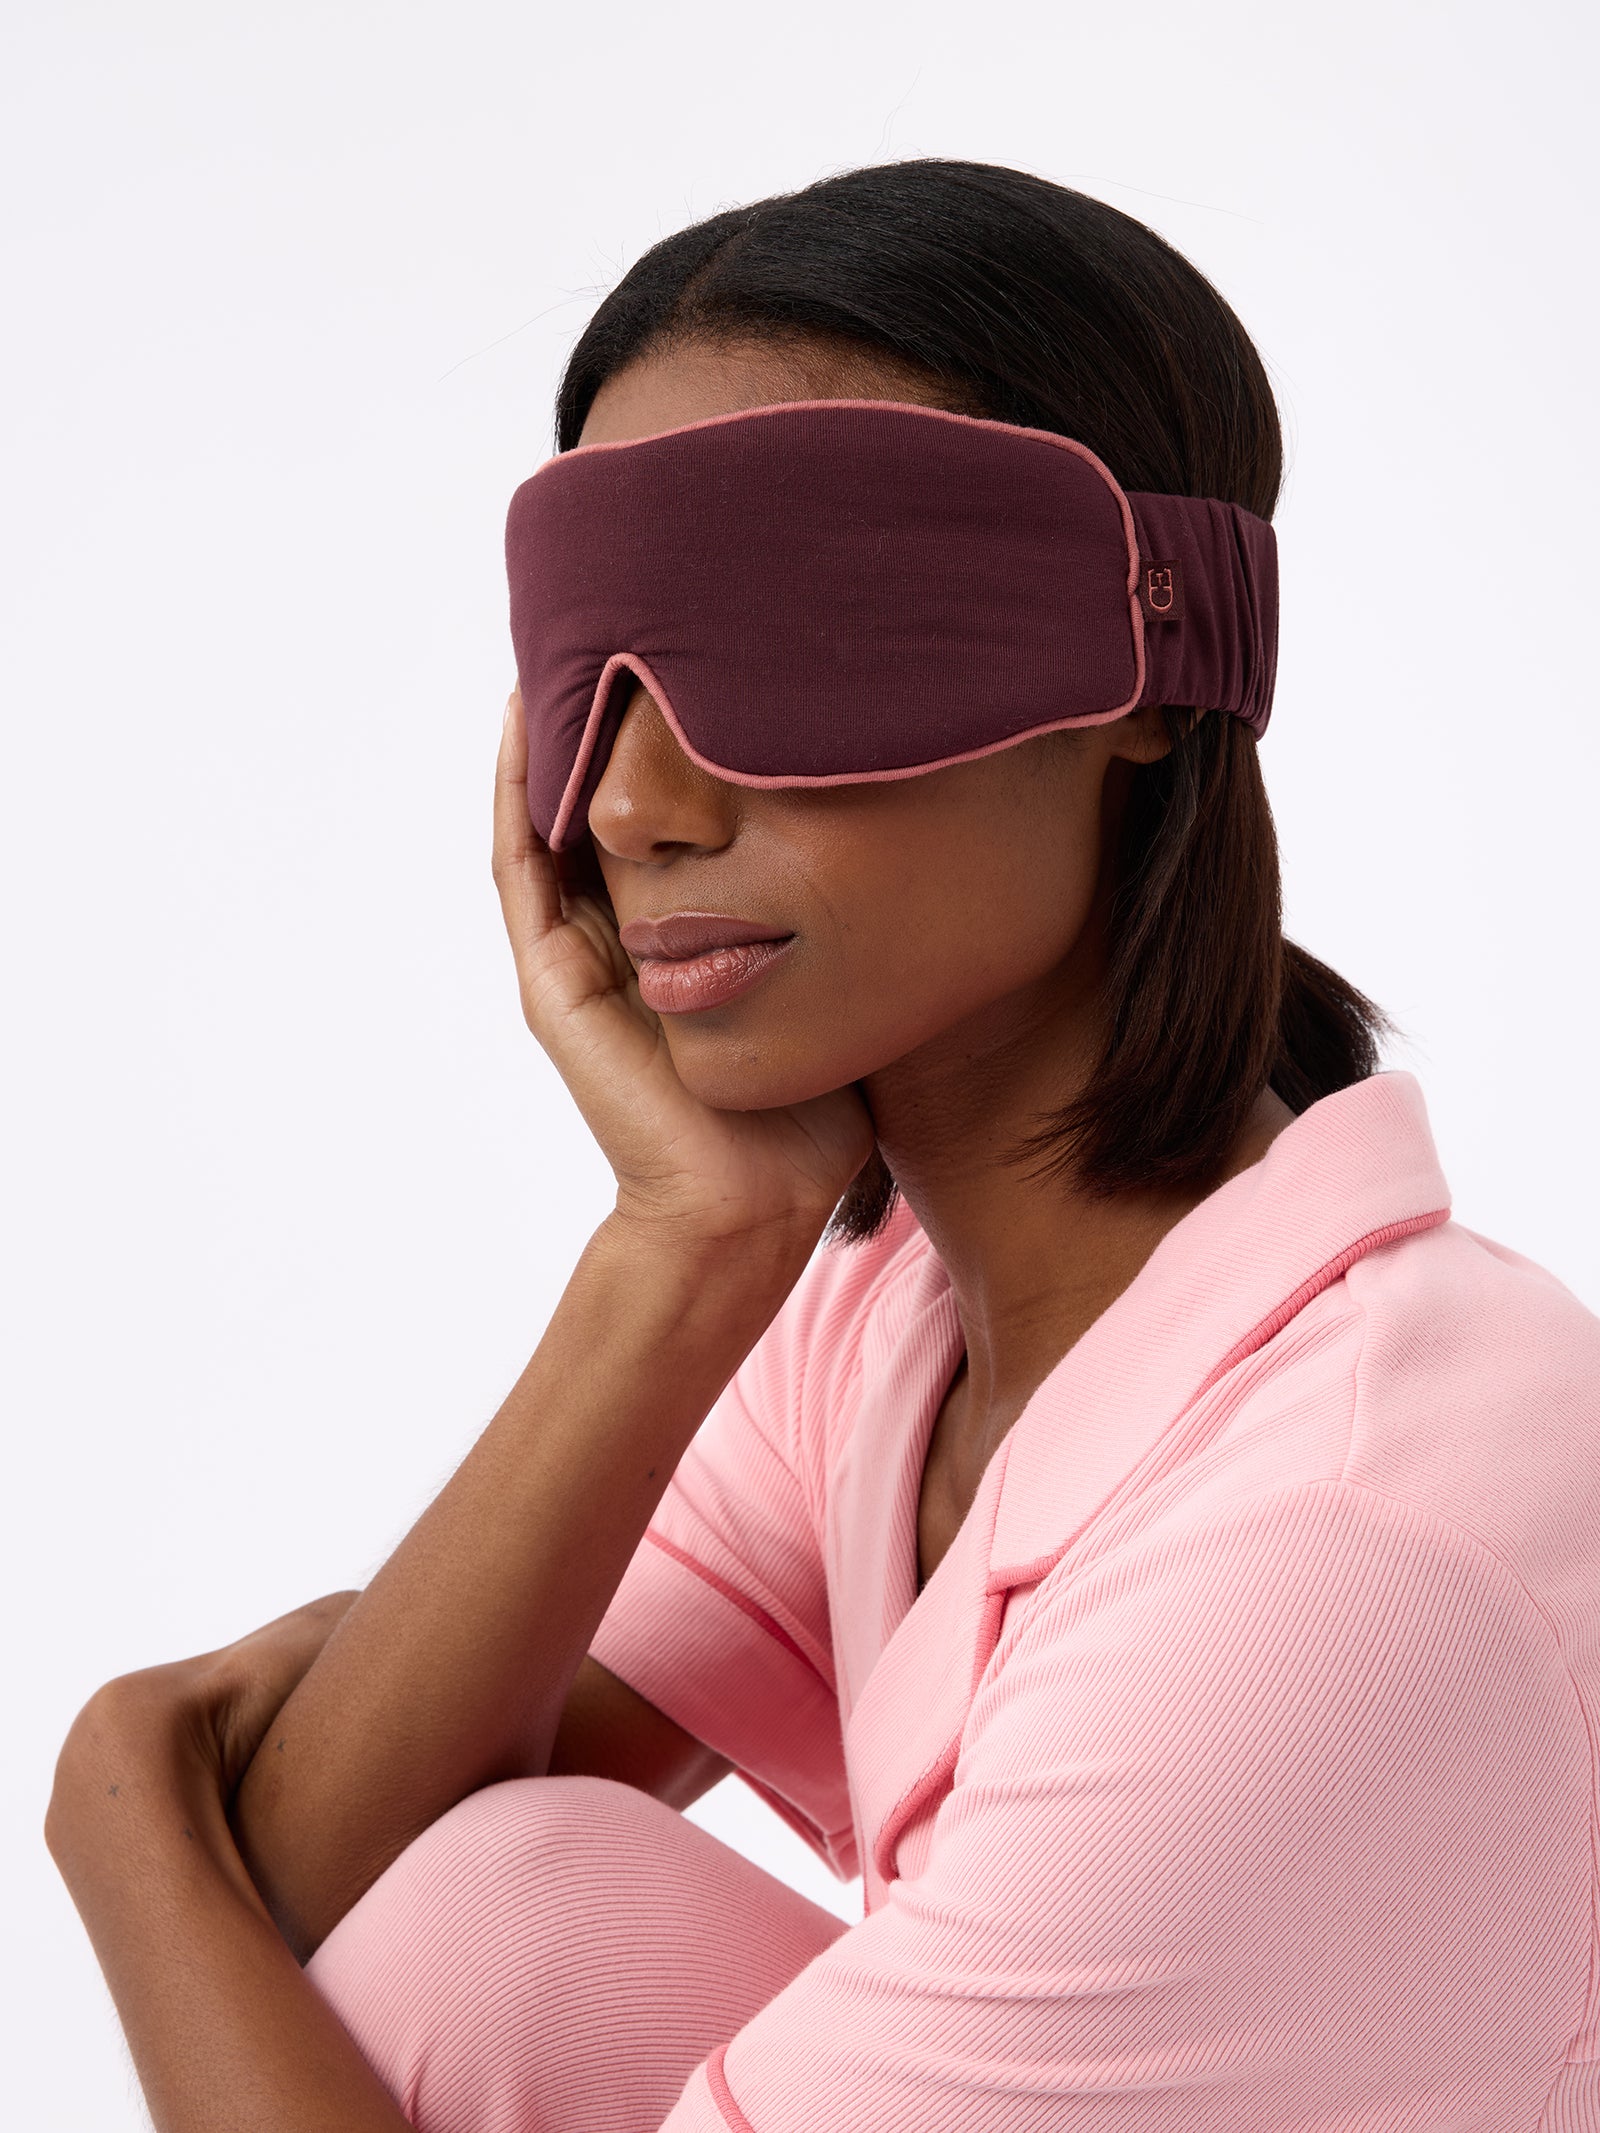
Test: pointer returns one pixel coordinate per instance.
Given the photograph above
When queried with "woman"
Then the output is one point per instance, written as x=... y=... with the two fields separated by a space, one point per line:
x=1150 y=1541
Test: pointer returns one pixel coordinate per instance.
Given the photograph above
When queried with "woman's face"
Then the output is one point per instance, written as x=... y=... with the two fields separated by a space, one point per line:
x=947 y=914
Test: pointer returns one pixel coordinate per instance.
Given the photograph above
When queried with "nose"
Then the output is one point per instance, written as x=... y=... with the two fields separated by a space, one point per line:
x=652 y=798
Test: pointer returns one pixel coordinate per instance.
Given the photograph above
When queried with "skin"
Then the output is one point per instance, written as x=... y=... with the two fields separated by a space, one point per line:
x=951 y=953
x=944 y=989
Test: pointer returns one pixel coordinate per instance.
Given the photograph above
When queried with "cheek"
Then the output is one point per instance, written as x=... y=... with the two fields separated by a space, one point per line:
x=1004 y=902
x=943 y=925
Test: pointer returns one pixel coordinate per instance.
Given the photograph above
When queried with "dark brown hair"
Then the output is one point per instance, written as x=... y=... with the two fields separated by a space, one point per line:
x=1030 y=303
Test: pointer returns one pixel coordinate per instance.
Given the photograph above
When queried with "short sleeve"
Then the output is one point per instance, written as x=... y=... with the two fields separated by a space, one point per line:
x=722 y=1617
x=1283 y=1821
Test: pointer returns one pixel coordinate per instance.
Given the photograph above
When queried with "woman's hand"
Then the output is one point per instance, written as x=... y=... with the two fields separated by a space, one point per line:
x=682 y=1167
x=211 y=1712
x=224 y=2027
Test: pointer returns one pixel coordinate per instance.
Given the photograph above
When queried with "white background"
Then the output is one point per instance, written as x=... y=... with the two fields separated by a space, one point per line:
x=289 y=1191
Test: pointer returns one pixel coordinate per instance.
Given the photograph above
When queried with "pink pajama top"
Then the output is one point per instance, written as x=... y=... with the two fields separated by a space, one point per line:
x=1237 y=1766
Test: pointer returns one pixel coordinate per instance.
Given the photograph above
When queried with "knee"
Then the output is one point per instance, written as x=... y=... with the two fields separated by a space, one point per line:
x=485 y=1859
x=498 y=1840
x=480 y=1909
x=507 y=1970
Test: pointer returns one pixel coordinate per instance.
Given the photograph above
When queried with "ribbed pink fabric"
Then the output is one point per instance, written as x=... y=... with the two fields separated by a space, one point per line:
x=555 y=1955
x=1237 y=1767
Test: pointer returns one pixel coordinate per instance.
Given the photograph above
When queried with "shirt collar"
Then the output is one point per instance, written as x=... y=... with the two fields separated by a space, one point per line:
x=1353 y=1173
x=1356 y=1171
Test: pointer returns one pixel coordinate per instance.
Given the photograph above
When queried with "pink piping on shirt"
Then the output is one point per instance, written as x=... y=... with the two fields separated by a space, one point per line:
x=942 y=1769
x=740 y=1600
x=718 y=2081
x=1275 y=1321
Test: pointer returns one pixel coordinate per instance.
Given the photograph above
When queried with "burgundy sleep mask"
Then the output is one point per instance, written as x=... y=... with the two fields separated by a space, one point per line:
x=824 y=591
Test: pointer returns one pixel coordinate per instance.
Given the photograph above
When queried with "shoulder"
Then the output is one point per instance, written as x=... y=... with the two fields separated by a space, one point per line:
x=1449 y=1297
x=1477 y=1396
x=1315 y=1694
x=1313 y=1627
x=1424 y=1433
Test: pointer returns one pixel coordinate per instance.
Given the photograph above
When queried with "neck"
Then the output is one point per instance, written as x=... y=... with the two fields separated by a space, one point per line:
x=1032 y=1262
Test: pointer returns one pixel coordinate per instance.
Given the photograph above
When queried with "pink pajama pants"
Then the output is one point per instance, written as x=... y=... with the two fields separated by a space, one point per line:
x=556 y=1953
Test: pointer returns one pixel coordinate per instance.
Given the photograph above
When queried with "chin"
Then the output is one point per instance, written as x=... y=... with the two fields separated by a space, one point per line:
x=741 y=1074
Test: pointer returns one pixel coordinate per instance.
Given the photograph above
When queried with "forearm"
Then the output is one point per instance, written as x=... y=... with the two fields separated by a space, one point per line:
x=452 y=1668
x=224 y=2027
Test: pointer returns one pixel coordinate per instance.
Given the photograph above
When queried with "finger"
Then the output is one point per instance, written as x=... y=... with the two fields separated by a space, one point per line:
x=285 y=1648
x=311 y=1623
x=324 y=1611
x=523 y=865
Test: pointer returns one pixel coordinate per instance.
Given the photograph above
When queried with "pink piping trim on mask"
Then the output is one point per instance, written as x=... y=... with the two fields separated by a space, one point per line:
x=913 y=407
x=832 y=777
x=722 y=2095
x=591 y=733
x=591 y=730
x=739 y=1599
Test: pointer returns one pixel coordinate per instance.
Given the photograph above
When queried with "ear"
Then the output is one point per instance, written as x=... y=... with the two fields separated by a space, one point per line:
x=1142 y=737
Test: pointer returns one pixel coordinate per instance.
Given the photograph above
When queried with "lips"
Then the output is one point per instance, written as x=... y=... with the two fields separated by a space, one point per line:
x=689 y=933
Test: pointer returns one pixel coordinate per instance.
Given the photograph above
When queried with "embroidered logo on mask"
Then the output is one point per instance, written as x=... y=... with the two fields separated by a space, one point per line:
x=1161 y=590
